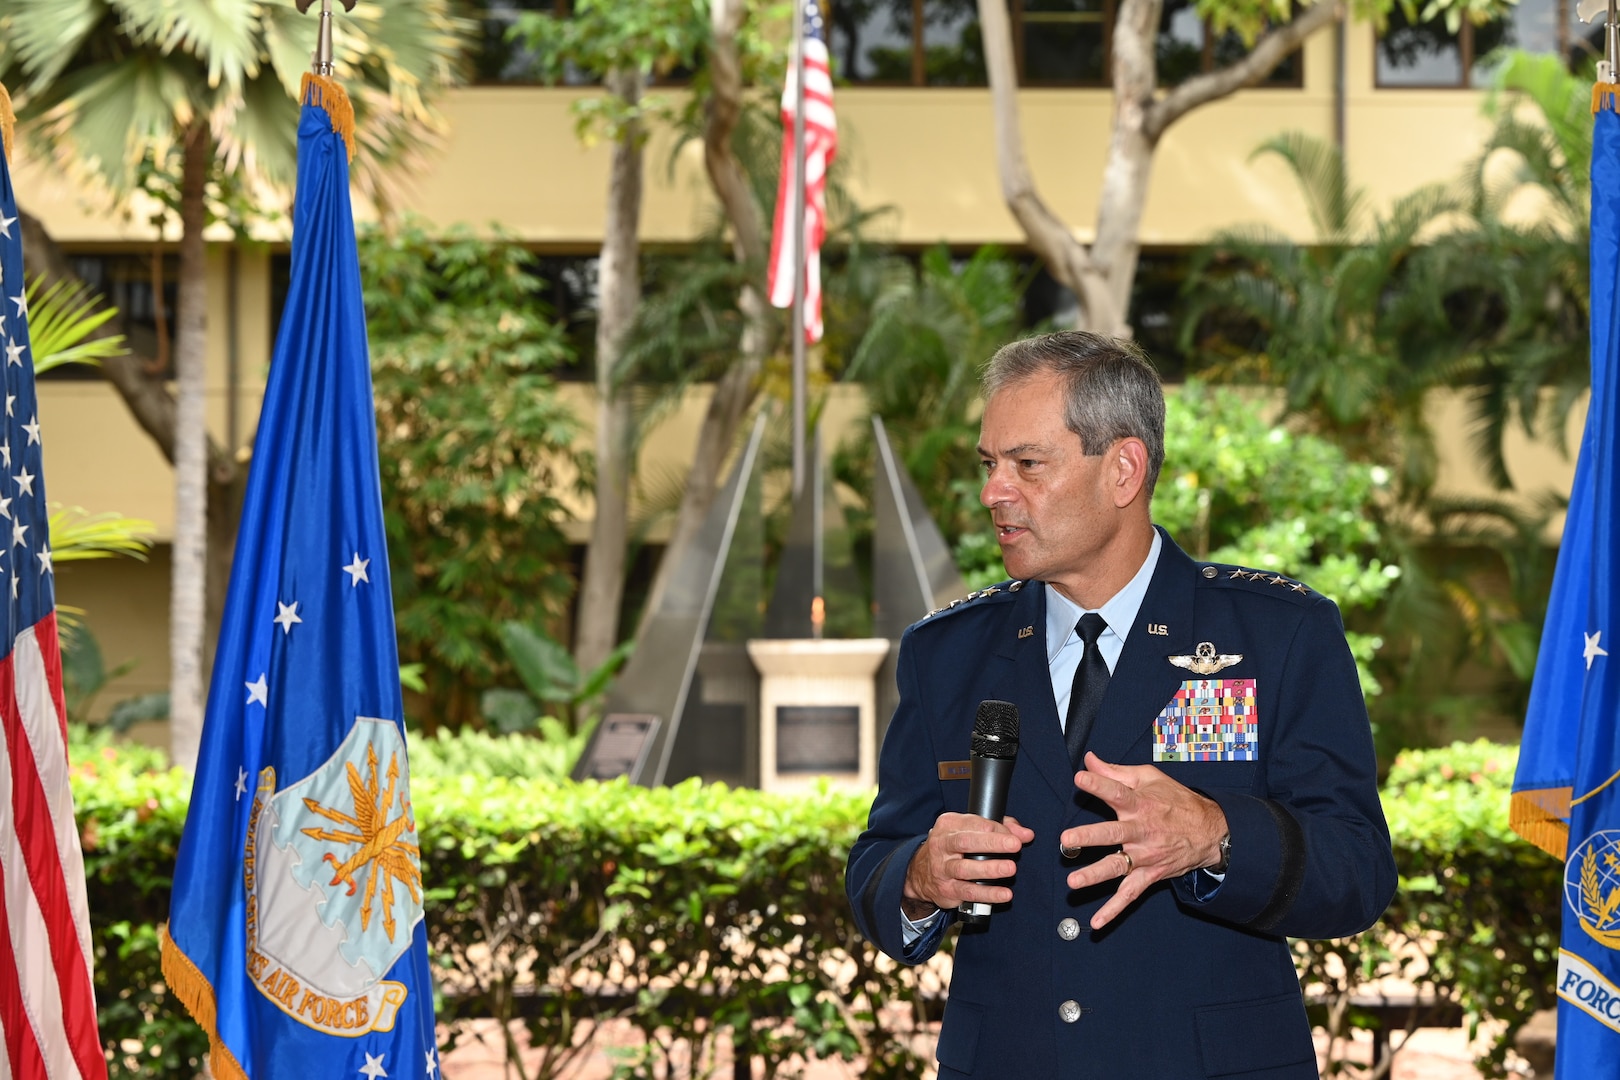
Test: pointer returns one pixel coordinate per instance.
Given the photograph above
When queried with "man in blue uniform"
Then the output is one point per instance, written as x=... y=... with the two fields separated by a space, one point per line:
x=1195 y=780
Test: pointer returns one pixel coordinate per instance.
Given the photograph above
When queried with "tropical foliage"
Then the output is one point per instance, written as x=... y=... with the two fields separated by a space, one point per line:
x=1240 y=488
x=113 y=85
x=693 y=913
x=1477 y=289
x=1515 y=270
x=931 y=328
x=476 y=452
x=555 y=689
x=1351 y=327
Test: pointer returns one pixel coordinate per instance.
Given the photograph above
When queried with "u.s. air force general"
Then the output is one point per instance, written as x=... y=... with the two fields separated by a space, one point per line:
x=1195 y=780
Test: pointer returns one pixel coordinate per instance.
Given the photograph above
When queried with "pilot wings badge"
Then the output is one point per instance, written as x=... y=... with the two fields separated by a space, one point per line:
x=334 y=877
x=1205 y=660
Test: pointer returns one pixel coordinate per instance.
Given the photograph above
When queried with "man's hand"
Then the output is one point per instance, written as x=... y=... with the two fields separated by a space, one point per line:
x=1165 y=830
x=942 y=876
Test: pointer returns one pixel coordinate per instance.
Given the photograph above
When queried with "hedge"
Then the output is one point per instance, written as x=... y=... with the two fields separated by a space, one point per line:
x=698 y=911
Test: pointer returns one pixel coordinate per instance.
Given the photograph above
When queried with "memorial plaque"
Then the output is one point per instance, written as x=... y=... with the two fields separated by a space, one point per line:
x=818 y=738
x=621 y=745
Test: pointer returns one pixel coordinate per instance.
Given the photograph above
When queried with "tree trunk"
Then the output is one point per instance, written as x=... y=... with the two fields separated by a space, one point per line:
x=153 y=408
x=1129 y=165
x=1051 y=238
x=189 y=580
x=618 y=294
x=1101 y=276
x=734 y=392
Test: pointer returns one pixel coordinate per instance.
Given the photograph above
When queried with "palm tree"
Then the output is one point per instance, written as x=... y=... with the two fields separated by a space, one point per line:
x=931 y=330
x=149 y=94
x=1517 y=287
x=1352 y=327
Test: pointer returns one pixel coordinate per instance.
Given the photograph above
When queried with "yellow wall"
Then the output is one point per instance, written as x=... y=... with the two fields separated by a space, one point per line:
x=511 y=156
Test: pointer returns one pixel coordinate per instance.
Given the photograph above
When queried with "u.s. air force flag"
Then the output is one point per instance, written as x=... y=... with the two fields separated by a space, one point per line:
x=1566 y=797
x=295 y=935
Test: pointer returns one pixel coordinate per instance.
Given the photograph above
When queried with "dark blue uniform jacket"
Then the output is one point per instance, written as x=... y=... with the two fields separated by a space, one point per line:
x=1175 y=987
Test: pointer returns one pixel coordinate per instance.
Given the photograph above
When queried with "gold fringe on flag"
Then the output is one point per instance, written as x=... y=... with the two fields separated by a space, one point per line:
x=194 y=992
x=324 y=93
x=1542 y=816
x=1603 y=97
x=8 y=120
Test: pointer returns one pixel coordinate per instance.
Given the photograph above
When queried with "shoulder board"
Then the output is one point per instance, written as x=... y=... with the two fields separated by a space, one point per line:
x=1261 y=581
x=1006 y=588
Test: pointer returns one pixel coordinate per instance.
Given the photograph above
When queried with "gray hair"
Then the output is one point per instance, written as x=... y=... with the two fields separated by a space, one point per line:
x=1112 y=389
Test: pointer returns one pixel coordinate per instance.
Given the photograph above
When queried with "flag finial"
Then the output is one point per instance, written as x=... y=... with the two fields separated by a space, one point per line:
x=323 y=41
x=1608 y=68
x=318 y=87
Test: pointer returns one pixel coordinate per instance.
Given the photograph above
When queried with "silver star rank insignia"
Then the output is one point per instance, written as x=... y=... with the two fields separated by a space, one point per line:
x=1205 y=660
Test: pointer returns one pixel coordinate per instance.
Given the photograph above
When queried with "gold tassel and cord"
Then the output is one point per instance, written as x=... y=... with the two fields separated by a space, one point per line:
x=192 y=988
x=1603 y=97
x=8 y=120
x=1542 y=817
x=325 y=93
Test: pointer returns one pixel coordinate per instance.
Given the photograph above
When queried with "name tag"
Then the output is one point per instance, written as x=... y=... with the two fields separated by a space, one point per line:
x=956 y=770
x=1209 y=720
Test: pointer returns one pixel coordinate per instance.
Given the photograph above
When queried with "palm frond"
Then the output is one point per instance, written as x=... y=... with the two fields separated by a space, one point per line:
x=1336 y=207
x=77 y=535
x=60 y=322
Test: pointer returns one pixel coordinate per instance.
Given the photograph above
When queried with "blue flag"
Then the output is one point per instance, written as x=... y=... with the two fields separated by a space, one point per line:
x=295 y=934
x=1565 y=795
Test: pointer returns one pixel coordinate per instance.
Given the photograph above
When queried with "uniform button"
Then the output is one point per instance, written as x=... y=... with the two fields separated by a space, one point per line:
x=1069 y=1011
x=1210 y=571
x=1069 y=929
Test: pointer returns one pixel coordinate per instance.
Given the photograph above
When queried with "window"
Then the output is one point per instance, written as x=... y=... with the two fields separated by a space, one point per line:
x=146 y=290
x=906 y=42
x=1187 y=46
x=497 y=60
x=1427 y=54
x=1055 y=43
x=1062 y=42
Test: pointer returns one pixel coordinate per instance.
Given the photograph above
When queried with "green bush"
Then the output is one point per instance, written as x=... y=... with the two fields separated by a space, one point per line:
x=697 y=911
x=1475 y=921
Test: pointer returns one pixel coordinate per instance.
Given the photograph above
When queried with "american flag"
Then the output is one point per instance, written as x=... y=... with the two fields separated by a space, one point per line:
x=821 y=144
x=47 y=1004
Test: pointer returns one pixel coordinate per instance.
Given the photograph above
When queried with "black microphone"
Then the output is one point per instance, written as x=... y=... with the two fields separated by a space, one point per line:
x=995 y=752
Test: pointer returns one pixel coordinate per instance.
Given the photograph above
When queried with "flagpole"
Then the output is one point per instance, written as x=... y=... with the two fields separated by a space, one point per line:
x=1611 y=44
x=800 y=375
x=322 y=61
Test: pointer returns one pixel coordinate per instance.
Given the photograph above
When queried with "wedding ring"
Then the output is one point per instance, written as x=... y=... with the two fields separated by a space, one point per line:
x=1130 y=864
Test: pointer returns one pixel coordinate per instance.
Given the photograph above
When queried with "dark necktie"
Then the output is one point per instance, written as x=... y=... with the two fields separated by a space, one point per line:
x=1090 y=684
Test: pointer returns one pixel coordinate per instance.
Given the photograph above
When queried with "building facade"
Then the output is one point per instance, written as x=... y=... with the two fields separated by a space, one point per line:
x=916 y=136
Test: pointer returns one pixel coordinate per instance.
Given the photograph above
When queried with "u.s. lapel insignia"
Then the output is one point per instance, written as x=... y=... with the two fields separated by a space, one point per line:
x=1028 y=631
x=1205 y=660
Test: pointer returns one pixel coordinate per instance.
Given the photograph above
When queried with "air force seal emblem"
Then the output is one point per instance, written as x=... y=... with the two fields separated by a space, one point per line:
x=1592 y=891
x=333 y=875
x=1592 y=886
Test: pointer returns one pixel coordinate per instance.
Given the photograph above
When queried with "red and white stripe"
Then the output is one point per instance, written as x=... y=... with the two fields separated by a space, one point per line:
x=821 y=145
x=47 y=1004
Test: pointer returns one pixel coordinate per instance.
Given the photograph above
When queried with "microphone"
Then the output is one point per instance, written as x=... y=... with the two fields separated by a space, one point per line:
x=995 y=751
